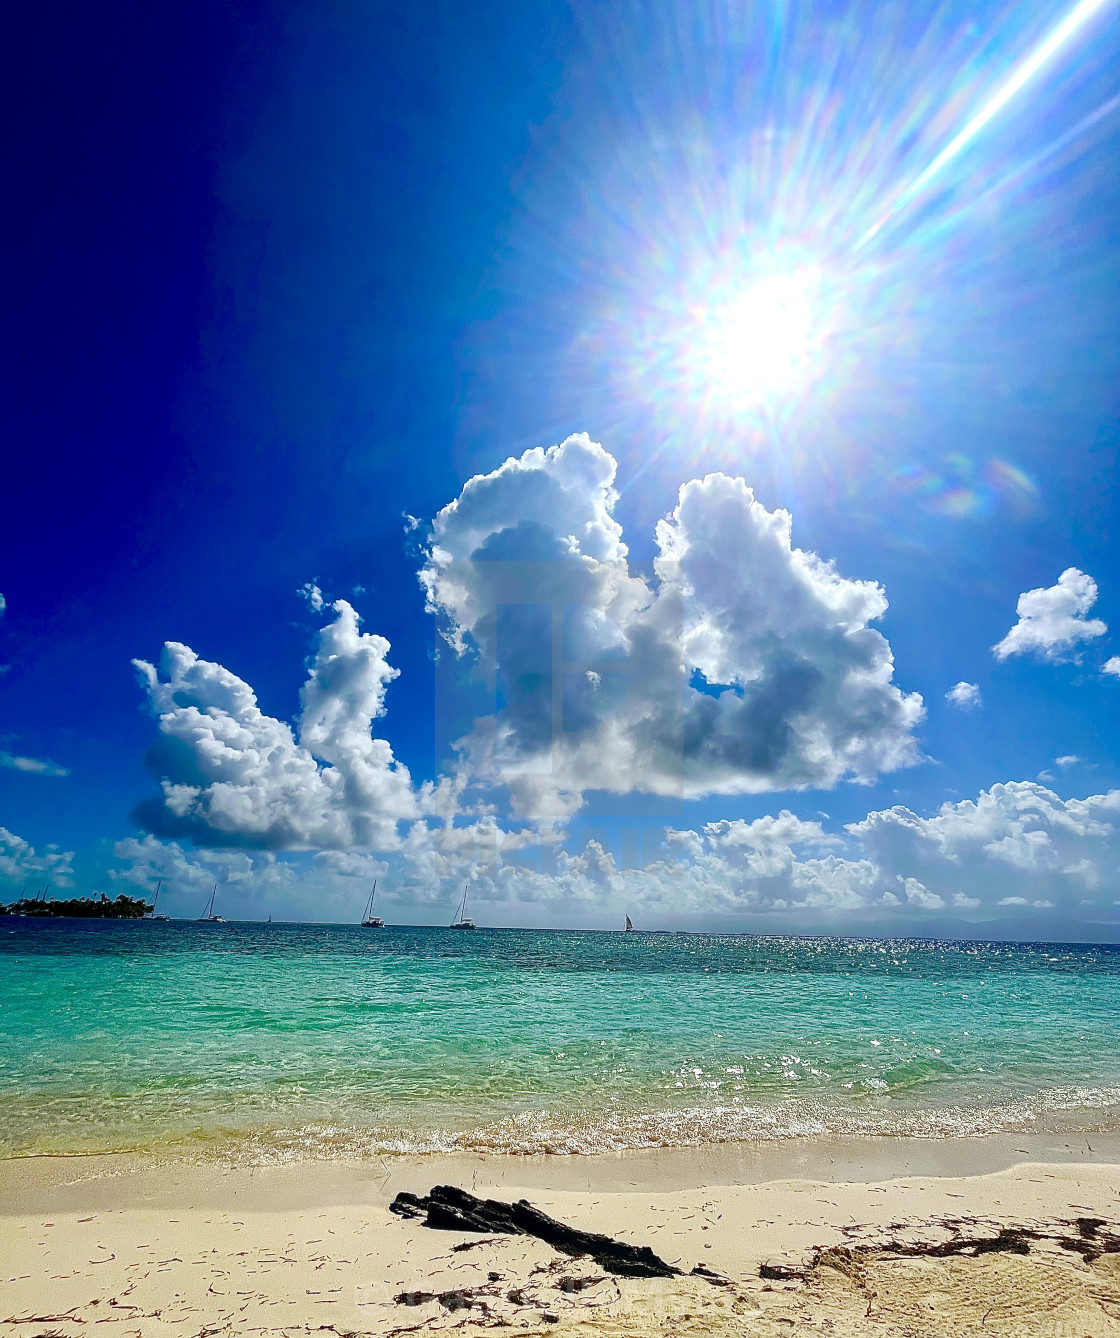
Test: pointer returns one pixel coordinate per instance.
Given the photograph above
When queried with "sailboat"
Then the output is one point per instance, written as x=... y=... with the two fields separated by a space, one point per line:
x=629 y=926
x=369 y=920
x=463 y=921
x=153 y=915
x=208 y=914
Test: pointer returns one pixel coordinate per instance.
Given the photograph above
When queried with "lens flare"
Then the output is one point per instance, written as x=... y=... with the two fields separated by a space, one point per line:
x=699 y=268
x=1024 y=72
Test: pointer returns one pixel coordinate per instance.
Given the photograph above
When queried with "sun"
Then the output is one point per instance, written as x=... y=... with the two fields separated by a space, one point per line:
x=755 y=343
x=728 y=339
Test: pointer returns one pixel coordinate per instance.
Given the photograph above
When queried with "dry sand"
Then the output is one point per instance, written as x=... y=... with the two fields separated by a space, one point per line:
x=159 y=1250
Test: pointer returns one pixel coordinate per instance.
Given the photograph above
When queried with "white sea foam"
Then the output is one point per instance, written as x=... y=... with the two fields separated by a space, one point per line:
x=1067 y=1109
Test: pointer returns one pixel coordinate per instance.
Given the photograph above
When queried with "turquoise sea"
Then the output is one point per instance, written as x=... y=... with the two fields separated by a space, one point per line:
x=281 y=1041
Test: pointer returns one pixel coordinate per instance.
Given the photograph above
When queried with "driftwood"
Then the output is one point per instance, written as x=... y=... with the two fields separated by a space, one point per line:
x=449 y=1209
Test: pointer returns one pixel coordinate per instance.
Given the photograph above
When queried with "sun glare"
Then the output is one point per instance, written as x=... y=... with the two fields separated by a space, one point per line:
x=755 y=343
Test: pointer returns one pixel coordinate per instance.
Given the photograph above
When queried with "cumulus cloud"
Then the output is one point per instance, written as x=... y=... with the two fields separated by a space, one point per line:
x=738 y=665
x=232 y=776
x=1016 y=850
x=1112 y=667
x=1017 y=845
x=1015 y=840
x=20 y=863
x=1052 y=622
x=727 y=867
x=1069 y=760
x=965 y=696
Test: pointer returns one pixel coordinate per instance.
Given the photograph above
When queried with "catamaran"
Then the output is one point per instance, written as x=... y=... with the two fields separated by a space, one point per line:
x=153 y=915
x=208 y=915
x=369 y=920
x=463 y=921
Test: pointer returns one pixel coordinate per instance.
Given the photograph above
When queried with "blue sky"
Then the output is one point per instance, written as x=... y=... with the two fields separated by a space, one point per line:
x=283 y=279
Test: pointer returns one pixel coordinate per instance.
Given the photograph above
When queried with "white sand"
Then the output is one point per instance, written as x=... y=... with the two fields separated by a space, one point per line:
x=150 y=1250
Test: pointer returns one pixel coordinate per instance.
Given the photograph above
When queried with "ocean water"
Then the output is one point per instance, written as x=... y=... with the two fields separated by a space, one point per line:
x=274 y=1042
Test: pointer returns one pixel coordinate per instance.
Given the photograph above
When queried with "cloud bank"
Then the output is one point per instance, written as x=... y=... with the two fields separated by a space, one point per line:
x=1015 y=850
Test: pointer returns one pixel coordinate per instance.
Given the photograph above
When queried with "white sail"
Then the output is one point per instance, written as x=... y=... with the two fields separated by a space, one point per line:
x=462 y=920
x=369 y=920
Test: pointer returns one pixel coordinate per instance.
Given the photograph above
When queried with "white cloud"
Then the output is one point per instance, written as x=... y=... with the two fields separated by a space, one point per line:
x=1052 y=623
x=1112 y=666
x=20 y=863
x=1015 y=840
x=331 y=885
x=740 y=665
x=1069 y=760
x=33 y=766
x=3 y=605
x=1017 y=848
x=314 y=596
x=233 y=776
x=1018 y=841
x=917 y=894
x=965 y=696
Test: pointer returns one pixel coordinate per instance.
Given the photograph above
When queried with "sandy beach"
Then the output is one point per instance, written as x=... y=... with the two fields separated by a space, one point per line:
x=828 y=1238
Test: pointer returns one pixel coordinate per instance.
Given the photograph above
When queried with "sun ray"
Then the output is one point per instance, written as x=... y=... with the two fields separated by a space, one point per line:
x=1025 y=71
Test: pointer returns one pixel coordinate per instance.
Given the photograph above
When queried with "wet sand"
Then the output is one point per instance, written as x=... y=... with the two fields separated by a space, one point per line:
x=154 y=1248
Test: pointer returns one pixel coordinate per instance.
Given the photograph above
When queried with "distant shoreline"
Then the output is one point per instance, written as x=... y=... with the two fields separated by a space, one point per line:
x=121 y=907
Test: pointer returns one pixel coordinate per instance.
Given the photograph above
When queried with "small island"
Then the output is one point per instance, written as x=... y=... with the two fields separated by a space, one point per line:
x=82 y=908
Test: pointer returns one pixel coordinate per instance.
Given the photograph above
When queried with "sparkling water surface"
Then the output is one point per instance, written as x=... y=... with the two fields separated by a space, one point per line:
x=277 y=1041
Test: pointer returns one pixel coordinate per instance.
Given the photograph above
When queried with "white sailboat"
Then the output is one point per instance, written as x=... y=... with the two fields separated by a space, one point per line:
x=208 y=915
x=369 y=920
x=155 y=899
x=629 y=926
x=462 y=920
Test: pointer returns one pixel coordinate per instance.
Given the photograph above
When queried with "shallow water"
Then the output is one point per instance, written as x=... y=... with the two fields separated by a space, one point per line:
x=276 y=1041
